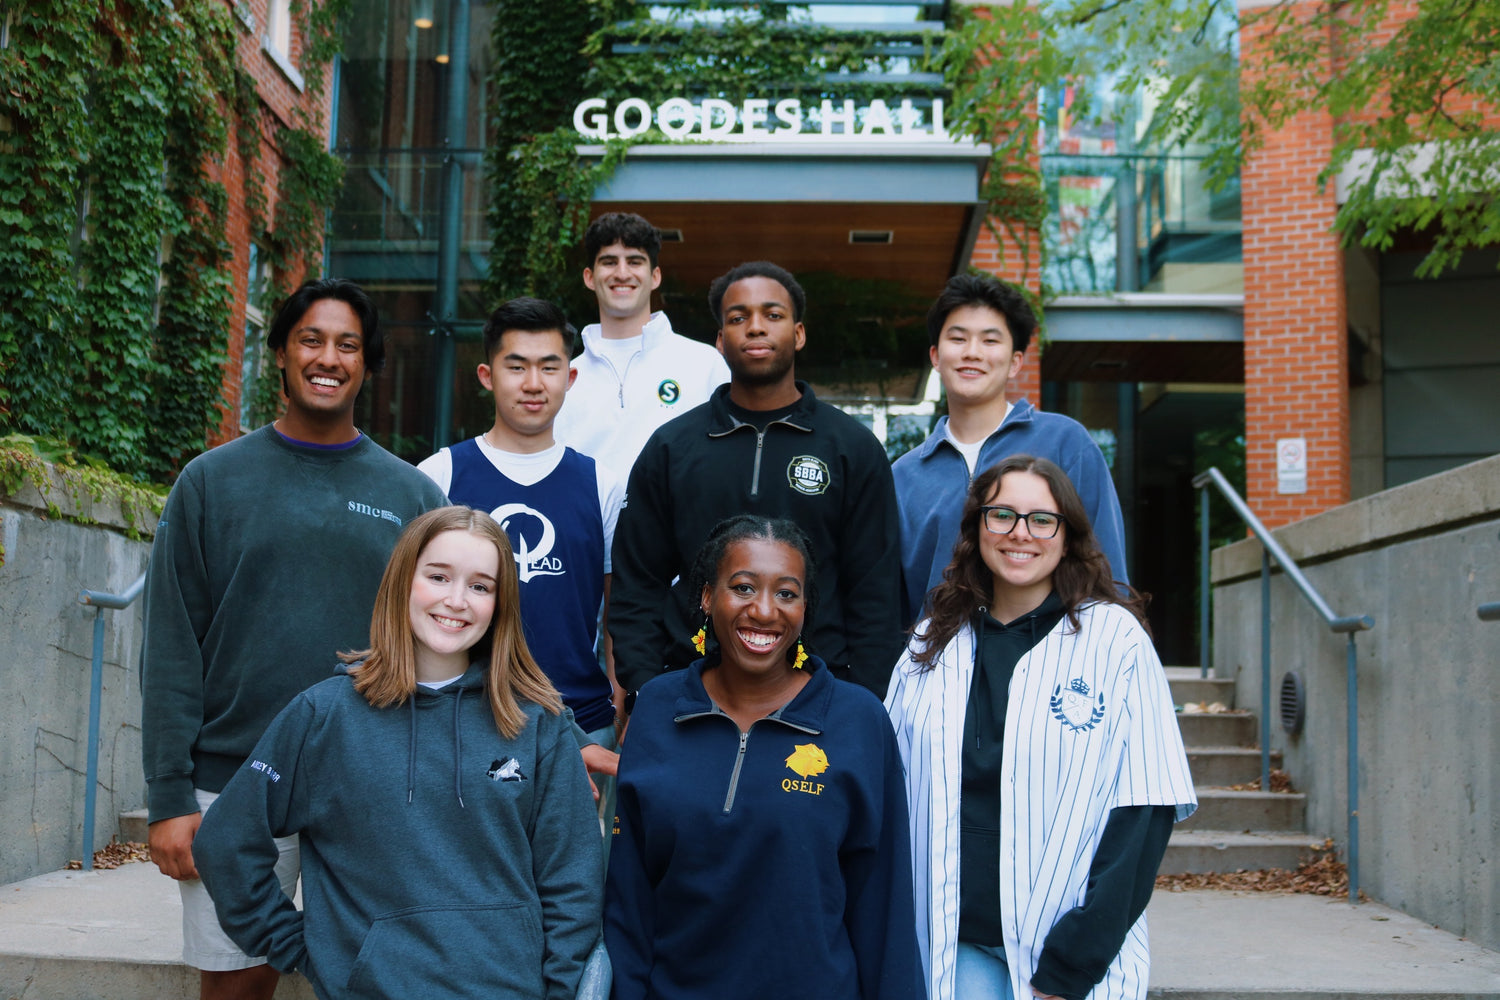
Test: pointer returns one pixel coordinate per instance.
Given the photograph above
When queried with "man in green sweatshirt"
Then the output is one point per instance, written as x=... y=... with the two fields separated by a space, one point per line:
x=265 y=565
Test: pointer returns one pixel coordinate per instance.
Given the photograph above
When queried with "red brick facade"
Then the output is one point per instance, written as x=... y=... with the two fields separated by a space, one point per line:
x=1296 y=357
x=281 y=97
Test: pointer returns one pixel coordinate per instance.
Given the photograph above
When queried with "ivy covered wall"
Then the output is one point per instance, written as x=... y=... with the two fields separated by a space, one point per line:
x=116 y=267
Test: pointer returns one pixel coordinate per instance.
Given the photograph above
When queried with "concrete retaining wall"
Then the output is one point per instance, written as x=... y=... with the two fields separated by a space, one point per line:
x=1419 y=559
x=46 y=647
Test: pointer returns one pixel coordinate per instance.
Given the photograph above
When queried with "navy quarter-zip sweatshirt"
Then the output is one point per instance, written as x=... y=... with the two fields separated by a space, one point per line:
x=770 y=863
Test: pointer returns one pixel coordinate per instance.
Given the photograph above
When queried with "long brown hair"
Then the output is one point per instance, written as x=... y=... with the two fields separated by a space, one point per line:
x=1082 y=576
x=388 y=675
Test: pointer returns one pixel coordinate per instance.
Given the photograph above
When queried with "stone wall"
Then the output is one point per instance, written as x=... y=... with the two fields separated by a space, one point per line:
x=46 y=648
x=1420 y=559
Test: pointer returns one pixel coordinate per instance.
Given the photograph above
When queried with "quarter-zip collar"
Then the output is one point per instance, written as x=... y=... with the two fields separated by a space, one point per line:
x=722 y=422
x=804 y=713
x=593 y=335
x=1021 y=412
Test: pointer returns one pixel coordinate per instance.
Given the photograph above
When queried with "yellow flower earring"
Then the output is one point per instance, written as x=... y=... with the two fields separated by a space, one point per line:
x=700 y=637
x=801 y=657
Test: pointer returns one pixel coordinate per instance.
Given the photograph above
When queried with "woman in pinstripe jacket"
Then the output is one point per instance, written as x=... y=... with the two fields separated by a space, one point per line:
x=1044 y=767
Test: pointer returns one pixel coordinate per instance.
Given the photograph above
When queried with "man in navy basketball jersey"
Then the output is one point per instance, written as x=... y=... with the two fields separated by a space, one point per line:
x=557 y=506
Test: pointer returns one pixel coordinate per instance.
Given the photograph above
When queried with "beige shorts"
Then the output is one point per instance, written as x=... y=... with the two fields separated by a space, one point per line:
x=205 y=946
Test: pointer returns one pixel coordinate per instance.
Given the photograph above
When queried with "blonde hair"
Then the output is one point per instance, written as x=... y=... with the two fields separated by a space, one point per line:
x=388 y=675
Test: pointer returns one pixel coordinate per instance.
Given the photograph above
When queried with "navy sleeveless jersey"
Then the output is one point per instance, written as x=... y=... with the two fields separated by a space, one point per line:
x=557 y=532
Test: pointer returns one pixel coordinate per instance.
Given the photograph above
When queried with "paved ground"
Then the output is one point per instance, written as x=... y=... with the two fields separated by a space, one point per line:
x=114 y=935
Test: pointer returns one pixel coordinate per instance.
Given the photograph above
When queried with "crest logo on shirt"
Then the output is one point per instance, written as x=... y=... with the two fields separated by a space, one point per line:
x=1074 y=708
x=808 y=474
x=808 y=761
x=668 y=391
x=531 y=539
x=508 y=769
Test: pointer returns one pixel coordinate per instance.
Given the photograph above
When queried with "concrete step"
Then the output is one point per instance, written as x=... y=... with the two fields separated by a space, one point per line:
x=111 y=934
x=1220 y=809
x=133 y=824
x=1187 y=685
x=116 y=935
x=1218 y=729
x=1198 y=851
x=1226 y=765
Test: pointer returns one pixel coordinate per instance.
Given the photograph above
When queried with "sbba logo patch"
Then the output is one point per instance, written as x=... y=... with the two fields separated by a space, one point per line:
x=808 y=474
x=668 y=391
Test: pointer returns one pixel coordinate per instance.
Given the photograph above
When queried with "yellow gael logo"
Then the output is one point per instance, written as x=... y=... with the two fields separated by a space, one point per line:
x=808 y=760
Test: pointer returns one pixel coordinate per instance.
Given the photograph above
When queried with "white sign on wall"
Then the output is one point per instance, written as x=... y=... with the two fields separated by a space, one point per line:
x=758 y=119
x=1291 y=465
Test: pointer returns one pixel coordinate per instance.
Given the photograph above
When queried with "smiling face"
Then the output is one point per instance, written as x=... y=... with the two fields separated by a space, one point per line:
x=975 y=356
x=452 y=601
x=323 y=363
x=757 y=335
x=529 y=376
x=1022 y=565
x=757 y=604
x=622 y=279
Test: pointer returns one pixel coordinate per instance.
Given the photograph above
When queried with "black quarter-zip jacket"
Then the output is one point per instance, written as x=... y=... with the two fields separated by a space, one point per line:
x=812 y=464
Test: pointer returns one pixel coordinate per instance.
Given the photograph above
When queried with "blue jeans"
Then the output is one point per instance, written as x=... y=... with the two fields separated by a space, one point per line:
x=981 y=973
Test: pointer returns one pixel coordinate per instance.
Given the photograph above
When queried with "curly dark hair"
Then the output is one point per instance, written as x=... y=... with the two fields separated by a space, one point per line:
x=739 y=528
x=1082 y=577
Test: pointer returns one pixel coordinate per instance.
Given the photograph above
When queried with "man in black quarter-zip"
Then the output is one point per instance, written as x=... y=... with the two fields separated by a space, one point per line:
x=762 y=444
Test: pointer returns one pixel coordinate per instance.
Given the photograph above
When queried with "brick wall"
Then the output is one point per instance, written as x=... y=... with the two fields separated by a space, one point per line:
x=1296 y=356
x=281 y=97
x=1011 y=263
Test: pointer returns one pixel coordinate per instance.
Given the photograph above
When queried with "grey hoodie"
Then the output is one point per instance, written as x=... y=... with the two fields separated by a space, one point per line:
x=439 y=859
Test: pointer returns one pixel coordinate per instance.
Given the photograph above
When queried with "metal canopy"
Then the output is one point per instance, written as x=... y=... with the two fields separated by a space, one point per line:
x=1145 y=337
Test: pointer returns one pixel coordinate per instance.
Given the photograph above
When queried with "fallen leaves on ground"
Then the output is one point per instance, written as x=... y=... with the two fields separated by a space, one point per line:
x=1209 y=708
x=114 y=855
x=1323 y=875
x=1280 y=782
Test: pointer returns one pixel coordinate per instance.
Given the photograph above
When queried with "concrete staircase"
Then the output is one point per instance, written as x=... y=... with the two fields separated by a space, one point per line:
x=1232 y=830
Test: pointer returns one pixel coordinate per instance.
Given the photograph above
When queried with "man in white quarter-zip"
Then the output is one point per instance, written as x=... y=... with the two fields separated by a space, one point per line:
x=634 y=374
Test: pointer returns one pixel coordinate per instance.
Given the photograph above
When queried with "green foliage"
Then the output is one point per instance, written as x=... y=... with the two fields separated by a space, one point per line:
x=115 y=274
x=60 y=474
x=1414 y=99
x=548 y=57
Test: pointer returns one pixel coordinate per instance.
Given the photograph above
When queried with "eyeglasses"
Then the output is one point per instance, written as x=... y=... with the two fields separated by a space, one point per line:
x=1003 y=521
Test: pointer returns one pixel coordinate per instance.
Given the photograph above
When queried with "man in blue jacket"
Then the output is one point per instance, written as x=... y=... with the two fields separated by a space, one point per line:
x=979 y=329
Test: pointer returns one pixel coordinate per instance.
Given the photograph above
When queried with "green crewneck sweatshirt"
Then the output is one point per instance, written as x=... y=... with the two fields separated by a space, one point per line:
x=264 y=568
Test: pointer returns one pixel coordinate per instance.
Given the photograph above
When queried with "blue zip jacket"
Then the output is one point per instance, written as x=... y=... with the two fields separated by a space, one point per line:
x=933 y=479
x=439 y=859
x=773 y=863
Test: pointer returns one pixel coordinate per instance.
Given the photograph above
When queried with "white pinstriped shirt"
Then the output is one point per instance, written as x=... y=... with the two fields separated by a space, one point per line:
x=1089 y=726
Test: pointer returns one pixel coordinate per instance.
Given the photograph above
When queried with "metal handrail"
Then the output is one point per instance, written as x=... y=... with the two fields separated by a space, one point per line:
x=1348 y=625
x=100 y=601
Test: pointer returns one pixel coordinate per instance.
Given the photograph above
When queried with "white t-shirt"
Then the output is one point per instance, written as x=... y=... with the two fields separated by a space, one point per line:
x=970 y=452
x=530 y=469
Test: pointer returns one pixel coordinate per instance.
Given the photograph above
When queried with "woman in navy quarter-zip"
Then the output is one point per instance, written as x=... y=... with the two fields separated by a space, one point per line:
x=760 y=843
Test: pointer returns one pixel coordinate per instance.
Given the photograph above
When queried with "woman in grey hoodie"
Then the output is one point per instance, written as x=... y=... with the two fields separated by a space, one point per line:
x=449 y=841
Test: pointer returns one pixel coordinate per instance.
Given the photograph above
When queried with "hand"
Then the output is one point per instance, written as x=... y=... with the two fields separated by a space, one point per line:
x=1043 y=996
x=172 y=845
x=598 y=760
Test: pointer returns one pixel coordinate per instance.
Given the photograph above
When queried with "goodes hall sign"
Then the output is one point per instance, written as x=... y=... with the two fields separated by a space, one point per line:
x=758 y=118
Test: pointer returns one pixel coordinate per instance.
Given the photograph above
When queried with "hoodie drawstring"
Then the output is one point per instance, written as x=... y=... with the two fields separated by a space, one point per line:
x=458 y=747
x=411 y=751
